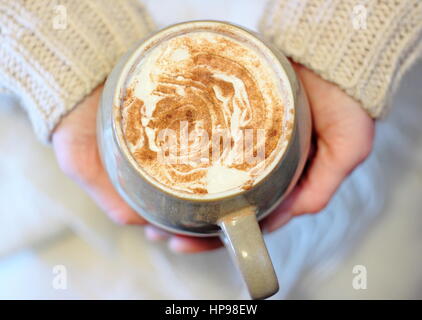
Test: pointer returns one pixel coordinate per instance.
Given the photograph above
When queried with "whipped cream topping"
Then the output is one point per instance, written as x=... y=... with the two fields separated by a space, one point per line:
x=198 y=92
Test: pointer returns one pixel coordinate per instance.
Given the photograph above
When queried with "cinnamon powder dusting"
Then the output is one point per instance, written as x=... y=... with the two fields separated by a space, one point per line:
x=201 y=85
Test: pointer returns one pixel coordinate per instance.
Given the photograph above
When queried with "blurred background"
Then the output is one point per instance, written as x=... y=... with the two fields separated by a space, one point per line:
x=50 y=228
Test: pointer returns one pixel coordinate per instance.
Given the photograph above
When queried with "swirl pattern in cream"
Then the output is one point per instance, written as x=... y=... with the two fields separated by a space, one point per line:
x=198 y=92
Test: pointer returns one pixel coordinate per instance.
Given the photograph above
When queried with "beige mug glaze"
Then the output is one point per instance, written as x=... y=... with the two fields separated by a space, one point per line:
x=233 y=215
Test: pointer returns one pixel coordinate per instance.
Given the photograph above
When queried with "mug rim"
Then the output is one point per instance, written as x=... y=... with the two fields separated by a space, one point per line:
x=153 y=40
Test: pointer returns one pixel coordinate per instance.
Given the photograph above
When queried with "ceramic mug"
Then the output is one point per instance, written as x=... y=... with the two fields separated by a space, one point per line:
x=232 y=215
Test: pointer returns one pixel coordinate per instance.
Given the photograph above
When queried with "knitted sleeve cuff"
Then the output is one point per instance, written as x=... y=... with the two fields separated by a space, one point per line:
x=54 y=53
x=362 y=46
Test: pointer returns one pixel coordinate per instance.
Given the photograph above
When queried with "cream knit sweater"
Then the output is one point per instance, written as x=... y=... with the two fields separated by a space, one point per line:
x=364 y=46
x=54 y=53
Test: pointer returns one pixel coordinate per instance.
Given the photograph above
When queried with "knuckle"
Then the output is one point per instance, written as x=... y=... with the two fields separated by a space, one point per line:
x=366 y=150
x=75 y=155
x=77 y=166
x=362 y=155
x=69 y=165
x=365 y=146
x=318 y=206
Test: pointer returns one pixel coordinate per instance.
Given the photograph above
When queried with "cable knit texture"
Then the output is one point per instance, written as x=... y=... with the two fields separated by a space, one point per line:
x=364 y=46
x=54 y=53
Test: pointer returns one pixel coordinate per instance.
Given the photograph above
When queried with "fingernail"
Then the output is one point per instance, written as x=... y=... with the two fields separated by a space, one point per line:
x=175 y=245
x=154 y=234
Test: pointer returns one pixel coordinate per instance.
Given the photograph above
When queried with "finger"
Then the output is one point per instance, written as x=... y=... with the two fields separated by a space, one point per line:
x=183 y=244
x=155 y=234
x=282 y=215
x=103 y=193
x=322 y=179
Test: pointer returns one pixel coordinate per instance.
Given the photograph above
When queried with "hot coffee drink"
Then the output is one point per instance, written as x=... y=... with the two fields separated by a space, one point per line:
x=205 y=112
x=203 y=129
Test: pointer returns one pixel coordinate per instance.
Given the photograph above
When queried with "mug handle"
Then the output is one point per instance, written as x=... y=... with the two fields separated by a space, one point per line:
x=243 y=238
